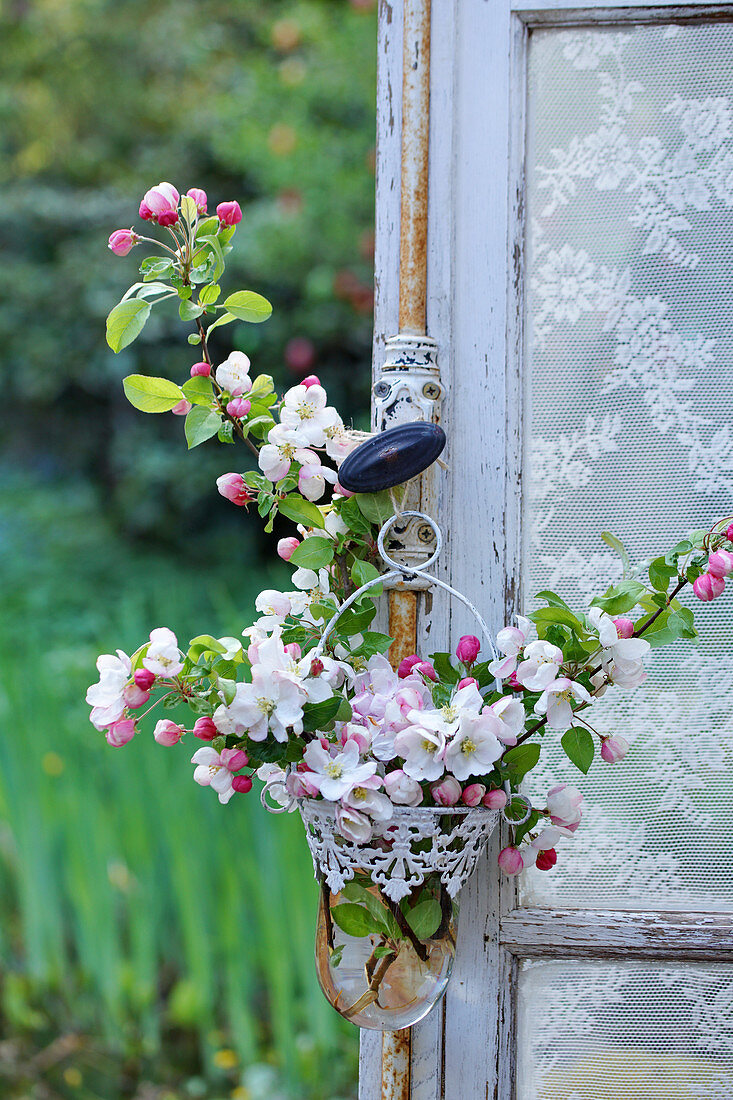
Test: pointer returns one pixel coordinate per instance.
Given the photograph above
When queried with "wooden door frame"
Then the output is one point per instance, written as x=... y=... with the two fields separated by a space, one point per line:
x=465 y=1049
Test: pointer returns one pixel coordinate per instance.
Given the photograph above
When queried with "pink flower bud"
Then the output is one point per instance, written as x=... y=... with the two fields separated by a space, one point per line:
x=199 y=197
x=229 y=213
x=135 y=696
x=162 y=202
x=311 y=380
x=338 y=488
x=317 y=666
x=121 y=732
x=467 y=681
x=122 y=240
x=401 y=789
x=204 y=369
x=468 y=648
x=205 y=729
x=729 y=533
x=514 y=683
x=447 y=792
x=720 y=564
x=427 y=670
x=293 y=650
x=510 y=861
x=495 y=800
x=144 y=678
x=473 y=793
x=707 y=586
x=242 y=784
x=234 y=759
x=145 y=212
x=182 y=408
x=287 y=547
x=238 y=406
x=614 y=748
x=234 y=488
x=168 y=733
x=546 y=860
x=406 y=666
x=624 y=628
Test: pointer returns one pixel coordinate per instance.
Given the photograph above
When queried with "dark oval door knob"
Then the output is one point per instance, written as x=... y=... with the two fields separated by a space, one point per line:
x=392 y=457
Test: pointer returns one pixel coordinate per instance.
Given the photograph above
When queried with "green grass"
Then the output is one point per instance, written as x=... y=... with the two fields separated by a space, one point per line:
x=135 y=911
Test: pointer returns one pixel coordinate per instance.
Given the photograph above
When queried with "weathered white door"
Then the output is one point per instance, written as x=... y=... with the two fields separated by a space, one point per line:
x=579 y=289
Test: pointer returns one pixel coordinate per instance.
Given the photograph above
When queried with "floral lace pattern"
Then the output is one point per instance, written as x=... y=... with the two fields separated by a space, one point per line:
x=608 y=1030
x=630 y=216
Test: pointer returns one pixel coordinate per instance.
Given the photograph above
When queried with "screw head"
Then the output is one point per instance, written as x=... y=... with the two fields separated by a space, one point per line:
x=425 y=533
x=382 y=389
x=431 y=390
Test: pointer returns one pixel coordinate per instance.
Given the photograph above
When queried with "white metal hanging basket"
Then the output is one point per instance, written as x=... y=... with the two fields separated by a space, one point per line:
x=416 y=842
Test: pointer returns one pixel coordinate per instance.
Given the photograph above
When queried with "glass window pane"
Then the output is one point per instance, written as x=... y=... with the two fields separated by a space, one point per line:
x=630 y=357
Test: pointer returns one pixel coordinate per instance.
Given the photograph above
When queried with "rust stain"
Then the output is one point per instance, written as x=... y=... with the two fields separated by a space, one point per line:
x=402 y=625
x=396 y=1065
x=414 y=199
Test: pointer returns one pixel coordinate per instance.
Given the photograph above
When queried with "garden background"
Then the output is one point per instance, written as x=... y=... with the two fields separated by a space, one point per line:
x=154 y=944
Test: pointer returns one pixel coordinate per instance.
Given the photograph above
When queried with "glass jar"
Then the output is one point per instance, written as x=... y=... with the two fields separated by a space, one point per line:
x=384 y=965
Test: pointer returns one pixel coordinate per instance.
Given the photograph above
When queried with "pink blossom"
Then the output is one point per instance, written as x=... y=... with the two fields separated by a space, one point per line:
x=202 y=368
x=352 y=731
x=473 y=794
x=311 y=380
x=624 y=628
x=510 y=861
x=427 y=670
x=145 y=212
x=229 y=213
x=199 y=197
x=546 y=860
x=167 y=732
x=238 y=406
x=338 y=488
x=729 y=533
x=162 y=201
x=234 y=488
x=707 y=586
x=293 y=650
x=182 y=408
x=353 y=825
x=514 y=683
x=205 y=729
x=402 y=790
x=406 y=666
x=614 y=748
x=287 y=547
x=317 y=666
x=144 y=678
x=242 y=784
x=495 y=800
x=135 y=696
x=466 y=681
x=468 y=648
x=720 y=564
x=447 y=792
x=564 y=806
x=234 y=759
x=121 y=732
x=122 y=240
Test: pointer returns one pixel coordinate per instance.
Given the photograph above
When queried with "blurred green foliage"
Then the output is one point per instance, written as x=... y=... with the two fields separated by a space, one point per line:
x=269 y=103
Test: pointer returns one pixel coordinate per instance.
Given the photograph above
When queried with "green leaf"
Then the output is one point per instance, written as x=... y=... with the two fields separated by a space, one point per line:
x=383 y=951
x=353 y=891
x=520 y=760
x=355 y=920
x=226 y=432
x=193 y=338
x=425 y=918
x=198 y=390
x=151 y=395
x=376 y=507
x=553 y=599
x=362 y=572
x=336 y=955
x=313 y=553
x=225 y=319
x=261 y=386
x=201 y=424
x=248 y=306
x=616 y=544
x=189 y=311
x=373 y=643
x=209 y=294
x=558 y=615
x=661 y=573
x=620 y=598
x=155 y=267
x=444 y=667
x=126 y=322
x=215 y=247
x=353 y=518
x=318 y=715
x=204 y=643
x=579 y=747
x=302 y=511
x=189 y=209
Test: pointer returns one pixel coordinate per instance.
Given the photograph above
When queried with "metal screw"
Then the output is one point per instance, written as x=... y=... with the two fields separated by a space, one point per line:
x=425 y=533
x=382 y=389
x=431 y=390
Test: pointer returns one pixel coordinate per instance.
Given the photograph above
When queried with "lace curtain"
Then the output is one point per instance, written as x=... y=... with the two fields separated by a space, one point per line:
x=630 y=355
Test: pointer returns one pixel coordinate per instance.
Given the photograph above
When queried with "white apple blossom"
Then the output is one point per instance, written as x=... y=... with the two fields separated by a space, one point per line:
x=304 y=409
x=510 y=641
x=335 y=775
x=211 y=771
x=106 y=698
x=266 y=705
x=163 y=656
x=557 y=701
x=540 y=666
x=274 y=607
x=564 y=806
x=312 y=476
x=622 y=658
x=422 y=751
x=233 y=374
x=476 y=745
x=512 y=716
x=277 y=455
x=335 y=526
x=354 y=825
x=401 y=790
x=444 y=721
x=339 y=443
x=369 y=800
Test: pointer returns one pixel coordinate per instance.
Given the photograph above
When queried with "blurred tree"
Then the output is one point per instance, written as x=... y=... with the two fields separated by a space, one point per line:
x=272 y=104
